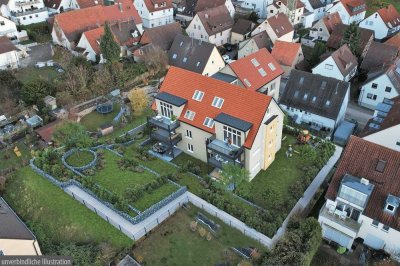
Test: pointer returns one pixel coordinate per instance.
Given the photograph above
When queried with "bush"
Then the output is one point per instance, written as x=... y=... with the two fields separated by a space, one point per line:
x=38 y=32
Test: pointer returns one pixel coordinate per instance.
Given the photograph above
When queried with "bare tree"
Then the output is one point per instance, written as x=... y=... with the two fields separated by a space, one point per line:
x=156 y=61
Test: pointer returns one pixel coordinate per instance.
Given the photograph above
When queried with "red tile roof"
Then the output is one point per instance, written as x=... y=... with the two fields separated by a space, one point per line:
x=88 y=3
x=245 y=69
x=93 y=37
x=216 y=20
x=6 y=45
x=359 y=159
x=46 y=132
x=280 y=24
x=246 y=105
x=394 y=41
x=350 y=6
x=74 y=23
x=150 y=4
x=390 y=16
x=332 y=20
x=286 y=52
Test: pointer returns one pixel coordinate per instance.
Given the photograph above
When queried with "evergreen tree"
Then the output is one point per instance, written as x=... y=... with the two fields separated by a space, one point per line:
x=351 y=37
x=318 y=50
x=109 y=48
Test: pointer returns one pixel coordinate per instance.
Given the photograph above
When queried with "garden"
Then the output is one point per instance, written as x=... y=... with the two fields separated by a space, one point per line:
x=183 y=240
x=94 y=120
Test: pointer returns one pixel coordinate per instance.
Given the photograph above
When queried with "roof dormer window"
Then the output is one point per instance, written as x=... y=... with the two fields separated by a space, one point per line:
x=190 y=115
x=217 y=102
x=390 y=208
x=198 y=95
x=272 y=66
x=380 y=166
x=392 y=203
x=208 y=122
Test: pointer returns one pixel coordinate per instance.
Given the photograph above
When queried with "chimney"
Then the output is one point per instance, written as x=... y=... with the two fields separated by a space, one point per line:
x=206 y=15
x=119 y=25
x=120 y=6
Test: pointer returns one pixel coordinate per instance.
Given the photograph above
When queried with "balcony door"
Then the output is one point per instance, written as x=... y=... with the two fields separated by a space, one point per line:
x=232 y=136
x=166 y=109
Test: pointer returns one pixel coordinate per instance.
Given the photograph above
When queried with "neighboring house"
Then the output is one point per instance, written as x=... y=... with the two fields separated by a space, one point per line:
x=378 y=56
x=255 y=43
x=15 y=237
x=8 y=27
x=155 y=13
x=381 y=84
x=8 y=54
x=187 y=9
x=314 y=100
x=257 y=72
x=363 y=198
x=322 y=30
x=278 y=27
x=213 y=25
x=217 y=122
x=162 y=36
x=68 y=27
x=24 y=12
x=350 y=10
x=394 y=41
x=288 y=55
x=258 y=6
x=335 y=40
x=241 y=30
x=196 y=56
x=384 y=128
x=385 y=22
x=59 y=6
x=341 y=64
x=314 y=11
x=125 y=34
x=281 y=6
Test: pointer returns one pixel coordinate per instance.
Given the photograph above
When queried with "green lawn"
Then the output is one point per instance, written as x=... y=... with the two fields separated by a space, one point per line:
x=155 y=196
x=80 y=158
x=173 y=243
x=183 y=158
x=38 y=201
x=374 y=5
x=94 y=120
x=8 y=158
x=31 y=73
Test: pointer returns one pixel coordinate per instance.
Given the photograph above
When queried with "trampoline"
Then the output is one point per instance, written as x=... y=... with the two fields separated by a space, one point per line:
x=105 y=108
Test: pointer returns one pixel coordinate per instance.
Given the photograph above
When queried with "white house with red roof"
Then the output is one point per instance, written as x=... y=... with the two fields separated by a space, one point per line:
x=385 y=22
x=350 y=10
x=24 y=12
x=216 y=122
x=155 y=13
x=278 y=27
x=281 y=6
x=7 y=27
x=288 y=55
x=258 y=71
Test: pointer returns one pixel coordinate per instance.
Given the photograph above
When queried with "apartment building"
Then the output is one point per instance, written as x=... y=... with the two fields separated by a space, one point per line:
x=155 y=13
x=24 y=12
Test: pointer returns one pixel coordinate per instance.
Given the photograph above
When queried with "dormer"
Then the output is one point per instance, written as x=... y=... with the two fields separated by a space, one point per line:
x=169 y=105
x=231 y=129
x=392 y=204
x=355 y=191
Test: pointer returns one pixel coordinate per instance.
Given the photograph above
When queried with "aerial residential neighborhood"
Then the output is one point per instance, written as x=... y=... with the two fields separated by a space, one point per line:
x=200 y=132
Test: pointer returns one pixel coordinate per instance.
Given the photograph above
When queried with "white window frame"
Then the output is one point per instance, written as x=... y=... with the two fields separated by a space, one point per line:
x=166 y=109
x=190 y=148
x=208 y=122
x=272 y=66
x=217 y=102
x=188 y=134
x=198 y=95
x=234 y=135
x=189 y=115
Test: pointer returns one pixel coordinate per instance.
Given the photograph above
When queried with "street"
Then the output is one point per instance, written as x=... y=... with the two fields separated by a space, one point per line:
x=38 y=53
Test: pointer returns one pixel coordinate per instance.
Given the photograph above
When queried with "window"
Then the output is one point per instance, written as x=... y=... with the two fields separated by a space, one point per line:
x=328 y=103
x=328 y=66
x=353 y=196
x=305 y=97
x=323 y=85
x=247 y=82
x=390 y=207
x=398 y=143
x=385 y=228
x=217 y=102
x=374 y=85
x=184 y=59
x=271 y=66
x=380 y=166
x=208 y=122
x=375 y=223
x=174 y=56
x=255 y=62
x=262 y=72
x=371 y=96
x=190 y=147
x=189 y=114
x=2 y=23
x=188 y=134
x=198 y=64
x=198 y=95
x=166 y=109
x=388 y=89
x=233 y=136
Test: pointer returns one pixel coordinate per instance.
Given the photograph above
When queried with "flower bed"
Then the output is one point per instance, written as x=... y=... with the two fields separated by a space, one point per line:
x=80 y=159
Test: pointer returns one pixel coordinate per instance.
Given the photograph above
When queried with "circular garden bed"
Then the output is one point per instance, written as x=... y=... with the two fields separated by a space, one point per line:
x=80 y=159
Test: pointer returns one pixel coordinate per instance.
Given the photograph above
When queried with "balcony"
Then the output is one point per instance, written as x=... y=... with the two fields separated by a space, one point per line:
x=219 y=161
x=28 y=12
x=226 y=150
x=166 y=137
x=335 y=217
x=163 y=123
x=27 y=3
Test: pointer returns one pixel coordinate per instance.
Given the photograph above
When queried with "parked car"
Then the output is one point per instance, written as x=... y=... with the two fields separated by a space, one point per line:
x=58 y=68
x=40 y=64
x=50 y=63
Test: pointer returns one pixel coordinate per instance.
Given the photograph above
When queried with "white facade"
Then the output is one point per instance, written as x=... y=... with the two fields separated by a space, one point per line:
x=389 y=138
x=7 y=27
x=376 y=90
x=375 y=23
x=288 y=37
x=214 y=64
x=9 y=60
x=155 y=18
x=319 y=31
x=328 y=68
x=313 y=14
x=258 y=6
x=294 y=15
x=65 y=5
x=24 y=12
x=197 y=31
x=90 y=53
x=347 y=18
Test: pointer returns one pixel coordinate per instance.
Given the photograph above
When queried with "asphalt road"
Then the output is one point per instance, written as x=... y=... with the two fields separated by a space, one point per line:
x=39 y=53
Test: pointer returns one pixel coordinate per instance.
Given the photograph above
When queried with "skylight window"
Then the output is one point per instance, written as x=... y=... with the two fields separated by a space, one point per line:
x=174 y=56
x=305 y=96
x=198 y=64
x=296 y=94
x=380 y=166
x=328 y=103
x=323 y=84
x=271 y=66
x=262 y=72
x=184 y=59
x=208 y=122
x=181 y=43
x=198 y=95
x=247 y=82
x=255 y=62
x=189 y=114
x=217 y=102
x=301 y=80
x=314 y=99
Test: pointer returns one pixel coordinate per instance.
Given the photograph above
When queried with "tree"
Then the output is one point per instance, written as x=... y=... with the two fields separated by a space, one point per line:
x=351 y=37
x=317 y=51
x=109 y=48
x=34 y=91
x=139 y=100
x=10 y=88
x=233 y=173
x=156 y=61
x=254 y=17
x=72 y=135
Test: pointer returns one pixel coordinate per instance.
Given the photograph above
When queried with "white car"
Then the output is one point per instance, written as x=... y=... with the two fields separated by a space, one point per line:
x=50 y=63
x=40 y=64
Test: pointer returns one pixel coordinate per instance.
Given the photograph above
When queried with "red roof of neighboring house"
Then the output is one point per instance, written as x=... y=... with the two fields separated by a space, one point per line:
x=360 y=159
x=150 y=4
x=74 y=23
x=332 y=20
x=354 y=7
x=394 y=41
x=46 y=132
x=243 y=104
x=162 y=36
x=6 y=45
x=286 y=52
x=256 y=69
x=88 y=3
x=93 y=37
x=280 y=24
x=390 y=16
x=299 y=4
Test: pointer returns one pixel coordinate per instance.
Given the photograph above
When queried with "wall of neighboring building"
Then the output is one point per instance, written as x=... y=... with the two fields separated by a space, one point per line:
x=343 y=108
x=153 y=19
x=196 y=30
x=7 y=27
x=328 y=68
x=59 y=37
x=272 y=87
x=9 y=60
x=84 y=43
x=231 y=8
x=39 y=14
x=346 y=18
x=214 y=64
x=220 y=38
x=248 y=48
x=288 y=37
x=307 y=19
x=319 y=31
x=375 y=23
x=18 y=247
x=259 y=6
x=228 y=70
x=237 y=38
x=370 y=97
x=389 y=138
x=260 y=28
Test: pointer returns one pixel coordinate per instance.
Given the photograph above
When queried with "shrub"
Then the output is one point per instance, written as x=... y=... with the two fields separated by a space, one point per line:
x=202 y=231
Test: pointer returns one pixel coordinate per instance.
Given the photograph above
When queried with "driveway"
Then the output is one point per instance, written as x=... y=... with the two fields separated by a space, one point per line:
x=358 y=113
x=38 y=53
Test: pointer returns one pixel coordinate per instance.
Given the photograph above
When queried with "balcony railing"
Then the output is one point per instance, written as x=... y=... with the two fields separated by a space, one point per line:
x=27 y=3
x=163 y=123
x=345 y=222
x=219 y=161
x=166 y=137
x=28 y=12
x=220 y=147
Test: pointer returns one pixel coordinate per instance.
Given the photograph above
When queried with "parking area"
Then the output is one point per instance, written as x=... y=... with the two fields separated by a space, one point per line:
x=38 y=53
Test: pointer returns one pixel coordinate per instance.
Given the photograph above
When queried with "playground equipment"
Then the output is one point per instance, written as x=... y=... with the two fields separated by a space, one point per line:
x=304 y=137
x=17 y=152
x=105 y=108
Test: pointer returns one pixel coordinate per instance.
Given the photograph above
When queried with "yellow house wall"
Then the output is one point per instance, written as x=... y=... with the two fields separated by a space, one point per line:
x=19 y=247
